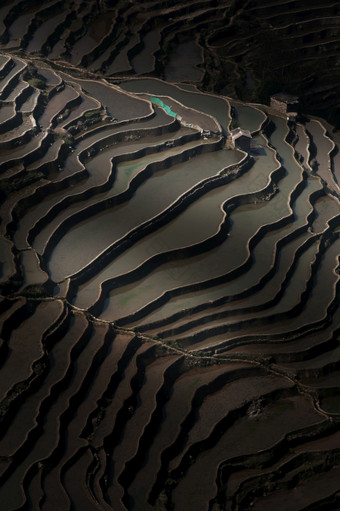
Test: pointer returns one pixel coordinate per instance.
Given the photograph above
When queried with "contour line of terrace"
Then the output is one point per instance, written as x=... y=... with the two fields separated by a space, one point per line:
x=298 y=183
x=164 y=212
x=193 y=285
x=227 y=171
x=81 y=157
x=261 y=125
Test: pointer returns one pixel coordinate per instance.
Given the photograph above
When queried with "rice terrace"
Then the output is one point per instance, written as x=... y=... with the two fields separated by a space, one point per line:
x=170 y=255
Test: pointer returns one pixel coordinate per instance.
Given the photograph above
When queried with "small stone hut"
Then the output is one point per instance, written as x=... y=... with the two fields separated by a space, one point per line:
x=240 y=139
x=286 y=104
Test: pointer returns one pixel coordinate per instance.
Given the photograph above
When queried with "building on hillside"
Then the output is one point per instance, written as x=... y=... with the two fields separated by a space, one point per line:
x=286 y=104
x=205 y=133
x=240 y=139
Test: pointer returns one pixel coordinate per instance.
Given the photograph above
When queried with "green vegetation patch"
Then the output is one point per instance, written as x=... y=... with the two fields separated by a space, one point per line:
x=68 y=140
x=13 y=184
x=37 y=83
x=93 y=115
x=34 y=291
x=35 y=79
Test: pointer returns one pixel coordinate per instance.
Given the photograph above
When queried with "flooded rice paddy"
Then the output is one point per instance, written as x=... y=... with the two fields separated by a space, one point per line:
x=170 y=305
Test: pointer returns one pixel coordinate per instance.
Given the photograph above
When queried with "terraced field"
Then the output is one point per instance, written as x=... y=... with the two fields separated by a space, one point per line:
x=243 y=48
x=170 y=319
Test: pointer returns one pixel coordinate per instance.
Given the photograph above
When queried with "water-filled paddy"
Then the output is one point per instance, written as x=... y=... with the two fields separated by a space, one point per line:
x=244 y=312
x=21 y=151
x=56 y=105
x=324 y=147
x=144 y=61
x=222 y=280
x=121 y=63
x=320 y=299
x=212 y=105
x=18 y=29
x=248 y=117
x=42 y=33
x=183 y=62
x=119 y=105
x=30 y=102
x=26 y=125
x=197 y=222
x=263 y=258
x=16 y=69
x=125 y=217
x=100 y=169
x=241 y=228
x=72 y=166
x=6 y=112
x=17 y=90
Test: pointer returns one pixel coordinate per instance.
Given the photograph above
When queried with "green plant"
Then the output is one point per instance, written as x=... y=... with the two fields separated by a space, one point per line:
x=34 y=291
x=68 y=140
x=37 y=82
x=92 y=114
